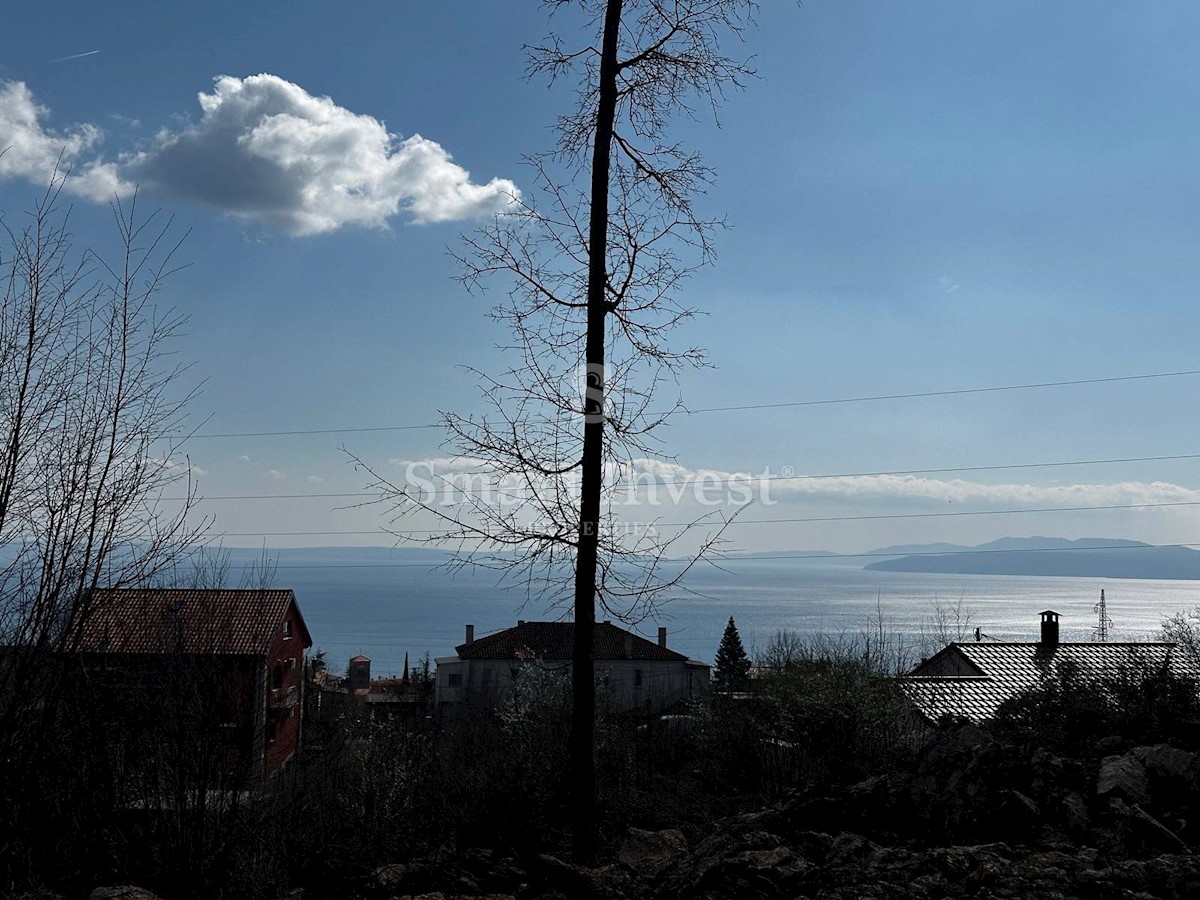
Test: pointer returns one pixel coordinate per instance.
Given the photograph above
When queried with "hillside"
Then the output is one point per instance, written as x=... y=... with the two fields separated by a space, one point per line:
x=1086 y=557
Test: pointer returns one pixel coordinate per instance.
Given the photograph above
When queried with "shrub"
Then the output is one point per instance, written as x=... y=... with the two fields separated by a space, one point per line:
x=1140 y=702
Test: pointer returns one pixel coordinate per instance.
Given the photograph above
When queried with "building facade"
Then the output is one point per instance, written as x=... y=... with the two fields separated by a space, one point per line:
x=632 y=673
x=221 y=662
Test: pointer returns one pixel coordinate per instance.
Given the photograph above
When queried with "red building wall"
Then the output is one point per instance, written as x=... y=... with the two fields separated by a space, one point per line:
x=284 y=680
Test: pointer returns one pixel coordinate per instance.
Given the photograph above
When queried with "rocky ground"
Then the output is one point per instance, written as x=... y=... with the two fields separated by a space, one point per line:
x=975 y=818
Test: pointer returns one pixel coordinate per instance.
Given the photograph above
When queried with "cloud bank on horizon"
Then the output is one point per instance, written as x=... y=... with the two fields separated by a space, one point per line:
x=263 y=150
x=915 y=491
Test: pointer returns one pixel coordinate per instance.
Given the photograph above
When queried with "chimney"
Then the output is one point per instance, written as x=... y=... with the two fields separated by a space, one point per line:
x=470 y=634
x=360 y=673
x=1049 y=628
x=628 y=645
x=520 y=622
x=662 y=637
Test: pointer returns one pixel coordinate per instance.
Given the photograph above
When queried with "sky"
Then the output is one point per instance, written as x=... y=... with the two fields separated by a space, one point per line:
x=923 y=197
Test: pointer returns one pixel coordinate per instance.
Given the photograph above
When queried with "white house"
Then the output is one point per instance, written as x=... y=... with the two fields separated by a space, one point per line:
x=632 y=672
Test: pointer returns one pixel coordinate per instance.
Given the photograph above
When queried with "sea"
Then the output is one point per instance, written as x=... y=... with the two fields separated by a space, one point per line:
x=385 y=603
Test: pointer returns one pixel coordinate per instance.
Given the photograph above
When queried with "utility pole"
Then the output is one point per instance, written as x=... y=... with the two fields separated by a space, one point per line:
x=1104 y=623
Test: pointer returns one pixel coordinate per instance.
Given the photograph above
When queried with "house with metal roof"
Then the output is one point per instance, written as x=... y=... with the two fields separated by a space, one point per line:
x=632 y=672
x=970 y=680
x=240 y=654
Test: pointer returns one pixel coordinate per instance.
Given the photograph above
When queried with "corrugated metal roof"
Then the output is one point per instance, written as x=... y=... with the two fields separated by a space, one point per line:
x=555 y=640
x=1007 y=669
x=225 y=622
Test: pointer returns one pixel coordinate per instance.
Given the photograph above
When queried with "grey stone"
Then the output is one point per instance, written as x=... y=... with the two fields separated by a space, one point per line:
x=649 y=853
x=1123 y=777
x=1174 y=768
x=1073 y=814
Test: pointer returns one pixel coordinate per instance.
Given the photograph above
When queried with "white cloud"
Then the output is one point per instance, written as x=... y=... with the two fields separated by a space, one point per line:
x=266 y=149
x=315 y=479
x=650 y=475
x=275 y=473
x=921 y=488
x=948 y=284
x=32 y=152
x=172 y=465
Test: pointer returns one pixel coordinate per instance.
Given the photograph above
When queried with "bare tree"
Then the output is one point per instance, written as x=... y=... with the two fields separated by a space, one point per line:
x=593 y=263
x=948 y=621
x=1183 y=628
x=91 y=422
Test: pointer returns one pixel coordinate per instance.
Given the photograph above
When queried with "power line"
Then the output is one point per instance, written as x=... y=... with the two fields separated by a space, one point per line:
x=745 y=480
x=948 y=393
x=753 y=406
x=240 y=434
x=735 y=522
x=729 y=560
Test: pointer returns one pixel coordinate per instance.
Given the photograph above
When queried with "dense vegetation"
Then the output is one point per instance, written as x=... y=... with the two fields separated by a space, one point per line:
x=823 y=720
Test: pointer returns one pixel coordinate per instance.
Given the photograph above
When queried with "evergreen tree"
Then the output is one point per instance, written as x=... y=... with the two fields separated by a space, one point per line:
x=732 y=671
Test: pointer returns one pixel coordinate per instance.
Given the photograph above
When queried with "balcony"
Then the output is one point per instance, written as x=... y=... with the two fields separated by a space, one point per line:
x=283 y=697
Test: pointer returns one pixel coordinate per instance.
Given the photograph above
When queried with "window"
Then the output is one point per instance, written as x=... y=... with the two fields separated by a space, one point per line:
x=287 y=629
x=277 y=676
x=454 y=680
x=289 y=663
x=637 y=678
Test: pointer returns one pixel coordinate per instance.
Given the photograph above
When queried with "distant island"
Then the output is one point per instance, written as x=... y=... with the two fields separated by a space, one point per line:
x=1046 y=556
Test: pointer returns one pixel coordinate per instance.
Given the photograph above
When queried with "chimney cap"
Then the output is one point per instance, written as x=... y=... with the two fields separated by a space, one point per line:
x=1049 y=628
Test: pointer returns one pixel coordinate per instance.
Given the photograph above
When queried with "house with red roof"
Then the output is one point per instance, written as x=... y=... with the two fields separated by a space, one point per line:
x=236 y=654
x=632 y=672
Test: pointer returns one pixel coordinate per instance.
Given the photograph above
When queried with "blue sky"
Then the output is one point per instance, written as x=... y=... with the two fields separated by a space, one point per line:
x=923 y=196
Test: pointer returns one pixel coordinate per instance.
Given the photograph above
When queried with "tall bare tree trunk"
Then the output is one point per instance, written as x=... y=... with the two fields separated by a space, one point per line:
x=581 y=754
x=595 y=273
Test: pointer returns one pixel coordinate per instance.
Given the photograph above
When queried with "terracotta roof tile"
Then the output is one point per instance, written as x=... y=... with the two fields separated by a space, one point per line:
x=234 y=622
x=555 y=640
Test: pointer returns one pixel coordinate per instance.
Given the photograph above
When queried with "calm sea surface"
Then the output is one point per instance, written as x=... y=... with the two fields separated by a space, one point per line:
x=360 y=601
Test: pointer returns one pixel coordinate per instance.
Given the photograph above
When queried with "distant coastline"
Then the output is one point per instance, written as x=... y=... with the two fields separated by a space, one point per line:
x=1055 y=557
x=1044 y=556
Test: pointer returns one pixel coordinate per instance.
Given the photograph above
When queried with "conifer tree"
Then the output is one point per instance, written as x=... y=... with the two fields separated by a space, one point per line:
x=732 y=671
